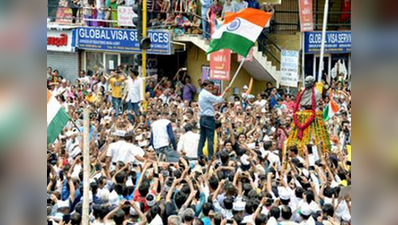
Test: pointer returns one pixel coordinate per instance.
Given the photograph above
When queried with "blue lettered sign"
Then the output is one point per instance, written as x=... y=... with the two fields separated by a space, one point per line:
x=336 y=42
x=122 y=40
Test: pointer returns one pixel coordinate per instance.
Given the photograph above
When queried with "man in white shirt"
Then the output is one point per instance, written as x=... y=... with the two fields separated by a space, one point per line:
x=188 y=143
x=162 y=136
x=123 y=151
x=134 y=92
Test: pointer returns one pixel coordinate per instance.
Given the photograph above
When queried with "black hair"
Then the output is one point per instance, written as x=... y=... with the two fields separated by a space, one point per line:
x=120 y=177
x=207 y=83
x=119 y=189
x=213 y=182
x=261 y=219
x=224 y=156
x=249 y=207
x=309 y=195
x=299 y=192
x=294 y=149
x=119 y=217
x=328 y=209
x=228 y=203
x=100 y=211
x=218 y=218
x=76 y=218
x=275 y=212
x=180 y=198
x=144 y=188
x=207 y=207
x=286 y=213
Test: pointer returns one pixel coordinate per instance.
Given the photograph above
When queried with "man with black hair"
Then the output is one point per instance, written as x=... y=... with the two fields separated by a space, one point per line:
x=133 y=92
x=162 y=136
x=207 y=114
x=188 y=143
x=287 y=216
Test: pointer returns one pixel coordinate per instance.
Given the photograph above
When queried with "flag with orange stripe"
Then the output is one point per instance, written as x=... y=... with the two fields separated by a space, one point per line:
x=239 y=31
x=331 y=109
x=57 y=118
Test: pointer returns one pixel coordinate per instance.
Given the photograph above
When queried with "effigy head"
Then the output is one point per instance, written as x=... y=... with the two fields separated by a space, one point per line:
x=309 y=82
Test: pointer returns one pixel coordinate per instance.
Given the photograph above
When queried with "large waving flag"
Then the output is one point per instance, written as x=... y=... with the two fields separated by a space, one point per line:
x=331 y=109
x=56 y=118
x=239 y=31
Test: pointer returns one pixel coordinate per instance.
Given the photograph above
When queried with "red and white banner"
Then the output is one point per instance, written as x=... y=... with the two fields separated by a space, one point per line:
x=125 y=16
x=220 y=65
x=249 y=57
x=306 y=15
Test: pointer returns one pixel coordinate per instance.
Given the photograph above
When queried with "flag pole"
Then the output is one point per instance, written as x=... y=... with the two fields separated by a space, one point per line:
x=86 y=167
x=325 y=21
x=236 y=74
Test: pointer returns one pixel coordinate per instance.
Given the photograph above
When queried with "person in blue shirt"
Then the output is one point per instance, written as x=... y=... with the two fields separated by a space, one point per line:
x=207 y=114
x=253 y=4
x=205 y=24
x=274 y=98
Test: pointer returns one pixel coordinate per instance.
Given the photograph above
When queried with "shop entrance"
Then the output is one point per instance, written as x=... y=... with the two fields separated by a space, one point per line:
x=327 y=61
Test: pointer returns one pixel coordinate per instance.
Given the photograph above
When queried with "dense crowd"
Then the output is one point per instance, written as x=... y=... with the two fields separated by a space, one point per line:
x=146 y=167
x=182 y=16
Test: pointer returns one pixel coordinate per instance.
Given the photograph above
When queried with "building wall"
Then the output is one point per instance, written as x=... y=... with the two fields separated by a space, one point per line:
x=197 y=58
x=67 y=63
x=285 y=42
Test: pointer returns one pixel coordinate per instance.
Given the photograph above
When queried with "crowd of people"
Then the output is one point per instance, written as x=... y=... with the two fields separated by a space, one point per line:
x=168 y=155
x=183 y=16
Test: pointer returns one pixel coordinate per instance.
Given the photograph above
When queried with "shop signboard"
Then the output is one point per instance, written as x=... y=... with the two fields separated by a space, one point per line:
x=220 y=65
x=59 y=41
x=337 y=42
x=289 y=68
x=306 y=15
x=122 y=40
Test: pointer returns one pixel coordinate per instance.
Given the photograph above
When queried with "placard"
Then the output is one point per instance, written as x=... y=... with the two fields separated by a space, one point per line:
x=125 y=16
x=220 y=65
x=289 y=68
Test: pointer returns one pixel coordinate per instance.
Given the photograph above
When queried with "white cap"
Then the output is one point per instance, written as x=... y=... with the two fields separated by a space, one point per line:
x=245 y=87
x=119 y=133
x=63 y=81
x=157 y=221
x=150 y=199
x=260 y=170
x=284 y=194
x=239 y=206
x=244 y=160
x=306 y=209
x=132 y=210
x=63 y=204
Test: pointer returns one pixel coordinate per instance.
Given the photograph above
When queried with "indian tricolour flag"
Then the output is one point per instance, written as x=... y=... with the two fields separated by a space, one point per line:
x=56 y=118
x=239 y=31
x=331 y=109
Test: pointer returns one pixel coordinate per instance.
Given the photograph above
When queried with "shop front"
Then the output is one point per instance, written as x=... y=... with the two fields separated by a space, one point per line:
x=61 y=54
x=103 y=50
x=337 y=48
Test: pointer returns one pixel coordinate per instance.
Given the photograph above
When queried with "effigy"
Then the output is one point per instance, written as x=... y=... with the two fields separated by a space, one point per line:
x=308 y=124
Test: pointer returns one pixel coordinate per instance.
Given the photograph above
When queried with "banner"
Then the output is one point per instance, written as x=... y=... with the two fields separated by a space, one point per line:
x=125 y=16
x=289 y=68
x=220 y=65
x=122 y=40
x=249 y=57
x=306 y=15
x=335 y=42
x=60 y=41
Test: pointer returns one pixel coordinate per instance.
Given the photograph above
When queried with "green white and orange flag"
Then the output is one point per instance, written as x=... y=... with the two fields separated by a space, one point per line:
x=57 y=118
x=239 y=31
x=331 y=109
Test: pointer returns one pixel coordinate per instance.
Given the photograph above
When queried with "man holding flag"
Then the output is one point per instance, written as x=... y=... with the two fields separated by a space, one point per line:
x=238 y=33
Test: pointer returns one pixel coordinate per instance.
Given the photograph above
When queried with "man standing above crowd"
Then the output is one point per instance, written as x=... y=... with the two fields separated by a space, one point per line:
x=134 y=93
x=116 y=83
x=207 y=114
x=162 y=136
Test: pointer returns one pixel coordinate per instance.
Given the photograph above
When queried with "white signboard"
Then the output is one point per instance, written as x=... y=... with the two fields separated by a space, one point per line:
x=289 y=68
x=59 y=41
x=125 y=16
